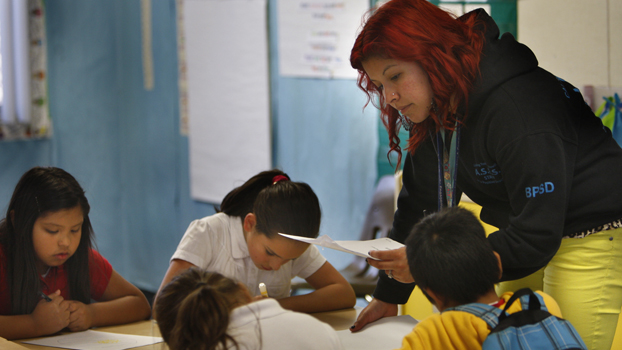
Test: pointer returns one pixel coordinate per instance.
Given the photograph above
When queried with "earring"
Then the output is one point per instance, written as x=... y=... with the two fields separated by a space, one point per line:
x=433 y=106
x=406 y=122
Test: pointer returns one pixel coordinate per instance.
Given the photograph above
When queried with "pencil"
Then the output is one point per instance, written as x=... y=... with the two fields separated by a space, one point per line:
x=263 y=289
x=44 y=296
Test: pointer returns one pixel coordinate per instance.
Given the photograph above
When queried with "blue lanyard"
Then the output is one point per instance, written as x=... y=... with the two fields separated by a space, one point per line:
x=447 y=166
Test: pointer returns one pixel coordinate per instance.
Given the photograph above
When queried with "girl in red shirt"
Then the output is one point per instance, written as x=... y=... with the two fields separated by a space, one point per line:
x=49 y=272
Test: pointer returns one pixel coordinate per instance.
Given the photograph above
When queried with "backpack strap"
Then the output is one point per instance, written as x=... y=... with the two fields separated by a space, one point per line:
x=519 y=294
x=529 y=301
x=490 y=314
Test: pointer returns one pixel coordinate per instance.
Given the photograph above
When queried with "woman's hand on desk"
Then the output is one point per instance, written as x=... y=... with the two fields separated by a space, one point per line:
x=374 y=311
x=394 y=261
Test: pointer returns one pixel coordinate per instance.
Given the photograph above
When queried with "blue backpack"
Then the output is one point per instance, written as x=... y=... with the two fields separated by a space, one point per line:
x=531 y=328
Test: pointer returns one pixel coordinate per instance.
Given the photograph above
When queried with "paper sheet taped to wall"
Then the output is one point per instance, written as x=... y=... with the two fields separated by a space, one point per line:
x=226 y=54
x=315 y=37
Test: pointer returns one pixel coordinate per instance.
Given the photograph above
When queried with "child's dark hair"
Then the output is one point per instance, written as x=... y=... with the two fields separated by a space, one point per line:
x=42 y=191
x=280 y=205
x=193 y=310
x=448 y=253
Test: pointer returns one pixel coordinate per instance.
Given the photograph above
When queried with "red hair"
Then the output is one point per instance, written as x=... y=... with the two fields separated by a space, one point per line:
x=448 y=49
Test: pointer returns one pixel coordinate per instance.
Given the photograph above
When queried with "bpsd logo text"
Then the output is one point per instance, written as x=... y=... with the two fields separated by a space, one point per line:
x=543 y=188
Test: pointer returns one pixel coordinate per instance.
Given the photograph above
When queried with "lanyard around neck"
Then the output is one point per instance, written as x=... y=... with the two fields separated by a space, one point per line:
x=447 y=166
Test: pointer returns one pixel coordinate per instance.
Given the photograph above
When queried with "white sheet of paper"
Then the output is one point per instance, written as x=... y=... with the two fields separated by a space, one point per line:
x=360 y=248
x=95 y=340
x=386 y=333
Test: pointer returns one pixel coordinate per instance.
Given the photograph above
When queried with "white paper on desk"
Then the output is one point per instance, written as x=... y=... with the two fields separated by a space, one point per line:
x=360 y=248
x=95 y=340
x=386 y=333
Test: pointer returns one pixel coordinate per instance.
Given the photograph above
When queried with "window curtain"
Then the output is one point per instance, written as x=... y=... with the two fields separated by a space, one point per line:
x=24 y=110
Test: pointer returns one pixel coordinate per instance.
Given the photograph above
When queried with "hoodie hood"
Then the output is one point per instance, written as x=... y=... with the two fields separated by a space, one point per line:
x=503 y=58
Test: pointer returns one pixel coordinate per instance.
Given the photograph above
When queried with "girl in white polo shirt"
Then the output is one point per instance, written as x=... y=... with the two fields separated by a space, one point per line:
x=205 y=310
x=242 y=242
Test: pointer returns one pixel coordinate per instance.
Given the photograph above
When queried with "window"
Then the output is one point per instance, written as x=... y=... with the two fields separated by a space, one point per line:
x=23 y=86
x=503 y=11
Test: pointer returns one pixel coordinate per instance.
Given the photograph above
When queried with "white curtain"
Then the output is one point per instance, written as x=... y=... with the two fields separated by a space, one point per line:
x=24 y=112
x=13 y=40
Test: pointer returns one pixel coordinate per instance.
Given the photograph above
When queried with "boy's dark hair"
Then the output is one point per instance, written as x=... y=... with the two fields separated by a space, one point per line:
x=282 y=207
x=448 y=253
x=40 y=191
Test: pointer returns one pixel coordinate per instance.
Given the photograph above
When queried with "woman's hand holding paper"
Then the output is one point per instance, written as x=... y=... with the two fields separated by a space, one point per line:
x=394 y=263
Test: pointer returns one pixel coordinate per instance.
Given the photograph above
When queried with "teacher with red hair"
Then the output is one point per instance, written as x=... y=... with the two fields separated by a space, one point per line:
x=485 y=120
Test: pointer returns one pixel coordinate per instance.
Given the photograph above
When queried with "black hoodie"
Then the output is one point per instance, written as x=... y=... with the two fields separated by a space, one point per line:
x=532 y=154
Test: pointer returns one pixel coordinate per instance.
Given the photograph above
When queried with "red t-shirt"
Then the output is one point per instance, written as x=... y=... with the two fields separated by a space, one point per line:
x=100 y=271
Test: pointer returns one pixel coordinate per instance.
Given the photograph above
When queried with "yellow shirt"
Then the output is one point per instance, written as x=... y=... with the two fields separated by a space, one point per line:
x=460 y=330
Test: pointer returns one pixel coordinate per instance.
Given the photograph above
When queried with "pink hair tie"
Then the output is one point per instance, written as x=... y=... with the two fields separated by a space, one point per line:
x=279 y=178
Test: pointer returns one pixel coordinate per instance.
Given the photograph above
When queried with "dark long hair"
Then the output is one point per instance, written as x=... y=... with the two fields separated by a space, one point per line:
x=446 y=48
x=193 y=310
x=283 y=206
x=448 y=252
x=41 y=191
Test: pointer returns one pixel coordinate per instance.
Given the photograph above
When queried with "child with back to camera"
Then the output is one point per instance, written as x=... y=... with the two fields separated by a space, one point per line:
x=242 y=241
x=456 y=265
x=49 y=271
x=204 y=310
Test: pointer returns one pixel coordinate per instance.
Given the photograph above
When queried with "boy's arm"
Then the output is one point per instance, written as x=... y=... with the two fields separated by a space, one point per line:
x=332 y=292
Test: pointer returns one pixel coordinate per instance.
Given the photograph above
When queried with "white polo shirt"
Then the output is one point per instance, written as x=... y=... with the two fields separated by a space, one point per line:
x=216 y=243
x=277 y=328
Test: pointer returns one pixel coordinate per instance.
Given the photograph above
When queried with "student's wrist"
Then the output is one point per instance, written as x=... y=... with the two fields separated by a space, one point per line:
x=90 y=314
x=38 y=328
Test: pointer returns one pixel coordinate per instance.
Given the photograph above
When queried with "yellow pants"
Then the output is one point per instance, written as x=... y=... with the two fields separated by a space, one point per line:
x=585 y=278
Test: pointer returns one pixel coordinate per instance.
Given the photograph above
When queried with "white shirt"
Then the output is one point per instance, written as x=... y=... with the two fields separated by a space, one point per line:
x=216 y=243
x=277 y=328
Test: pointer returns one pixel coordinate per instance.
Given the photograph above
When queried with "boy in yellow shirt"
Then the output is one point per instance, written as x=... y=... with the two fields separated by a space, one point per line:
x=453 y=264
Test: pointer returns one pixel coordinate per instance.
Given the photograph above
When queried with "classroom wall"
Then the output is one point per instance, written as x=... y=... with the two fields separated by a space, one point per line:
x=123 y=142
x=124 y=146
x=578 y=40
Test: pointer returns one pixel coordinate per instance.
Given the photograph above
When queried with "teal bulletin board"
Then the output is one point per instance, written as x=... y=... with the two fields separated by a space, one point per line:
x=504 y=13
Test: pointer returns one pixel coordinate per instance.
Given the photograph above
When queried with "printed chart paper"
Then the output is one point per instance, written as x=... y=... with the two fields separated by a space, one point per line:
x=360 y=248
x=95 y=340
x=315 y=37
